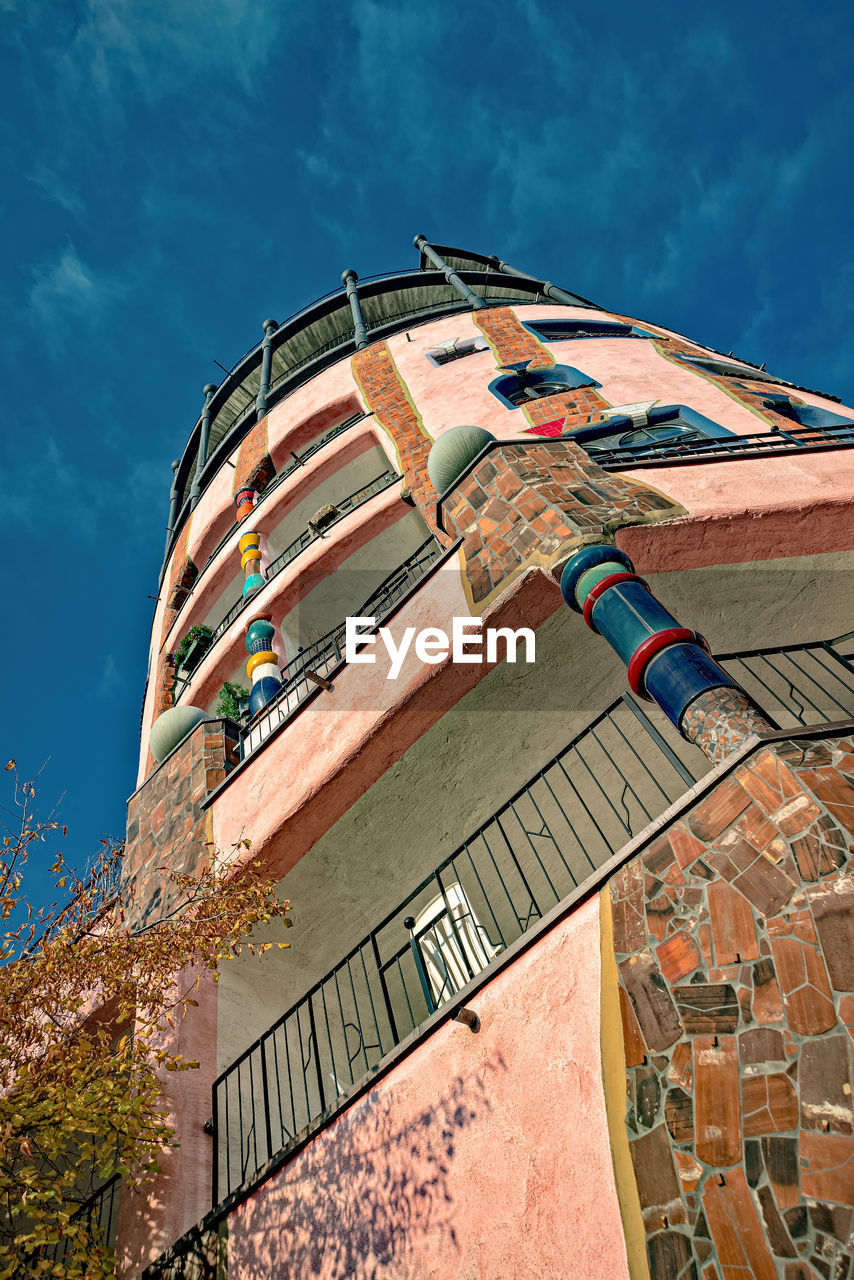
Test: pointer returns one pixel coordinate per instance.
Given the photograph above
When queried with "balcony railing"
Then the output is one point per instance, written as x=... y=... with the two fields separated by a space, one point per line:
x=299 y=460
x=326 y=655
x=100 y=1214
x=305 y=539
x=761 y=444
x=577 y=811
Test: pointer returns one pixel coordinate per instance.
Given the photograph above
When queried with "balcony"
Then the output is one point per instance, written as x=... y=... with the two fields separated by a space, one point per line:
x=551 y=840
x=305 y=539
x=760 y=444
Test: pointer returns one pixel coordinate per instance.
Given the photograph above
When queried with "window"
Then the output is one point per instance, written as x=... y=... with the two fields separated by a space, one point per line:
x=456 y=349
x=806 y=415
x=663 y=425
x=712 y=364
x=524 y=384
x=562 y=330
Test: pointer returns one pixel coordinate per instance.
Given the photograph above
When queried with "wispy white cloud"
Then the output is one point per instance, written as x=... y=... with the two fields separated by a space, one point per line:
x=65 y=288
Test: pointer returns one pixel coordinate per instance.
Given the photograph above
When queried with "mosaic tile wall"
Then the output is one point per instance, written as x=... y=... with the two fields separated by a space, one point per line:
x=167 y=826
x=385 y=392
x=734 y=942
x=253 y=468
x=524 y=504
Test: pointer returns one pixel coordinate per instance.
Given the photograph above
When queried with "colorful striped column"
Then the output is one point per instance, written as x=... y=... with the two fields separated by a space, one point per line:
x=263 y=665
x=667 y=663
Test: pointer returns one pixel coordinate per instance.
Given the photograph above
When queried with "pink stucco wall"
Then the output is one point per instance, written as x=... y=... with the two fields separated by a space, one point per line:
x=479 y=1156
x=737 y=510
x=154 y=1217
x=347 y=738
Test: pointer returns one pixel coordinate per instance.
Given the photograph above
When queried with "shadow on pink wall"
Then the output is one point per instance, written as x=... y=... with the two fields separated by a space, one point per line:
x=360 y=1205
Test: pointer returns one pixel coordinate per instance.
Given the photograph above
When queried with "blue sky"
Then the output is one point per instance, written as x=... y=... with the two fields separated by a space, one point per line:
x=178 y=170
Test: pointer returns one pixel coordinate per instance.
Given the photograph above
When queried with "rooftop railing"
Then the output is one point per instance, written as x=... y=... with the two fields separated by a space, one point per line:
x=540 y=845
x=760 y=444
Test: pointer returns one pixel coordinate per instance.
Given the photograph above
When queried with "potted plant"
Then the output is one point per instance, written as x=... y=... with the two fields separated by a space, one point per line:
x=193 y=648
x=233 y=701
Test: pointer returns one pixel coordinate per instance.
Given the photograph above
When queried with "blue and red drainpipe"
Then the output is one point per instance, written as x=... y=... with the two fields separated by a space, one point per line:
x=666 y=662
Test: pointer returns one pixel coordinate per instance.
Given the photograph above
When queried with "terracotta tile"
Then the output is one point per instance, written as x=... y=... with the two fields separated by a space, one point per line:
x=633 y=1045
x=685 y=846
x=689 y=1169
x=804 y=985
x=654 y=1009
x=627 y=908
x=814 y=857
x=657 y=1183
x=680 y=1070
x=832 y=906
x=679 y=1115
x=753 y=1163
x=756 y=828
x=833 y=1220
x=834 y=791
x=718 y=810
x=659 y=913
x=800 y=1271
x=825 y=1085
x=717 y=1107
x=647 y=1096
x=827 y=1166
x=704 y=942
x=670 y=1256
x=775 y=1228
x=678 y=955
x=736 y=1229
x=846 y=1014
x=733 y=930
x=770 y=1105
x=660 y=860
x=760 y=1045
x=710 y=1272
x=765 y=885
x=707 y=1007
x=781 y=1163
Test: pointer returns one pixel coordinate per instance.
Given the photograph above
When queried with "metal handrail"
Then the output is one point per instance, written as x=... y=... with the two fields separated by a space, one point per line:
x=299 y=461
x=326 y=655
x=101 y=1214
x=613 y=779
x=759 y=444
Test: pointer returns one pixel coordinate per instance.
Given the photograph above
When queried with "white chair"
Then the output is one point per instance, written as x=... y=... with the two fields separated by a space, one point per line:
x=454 y=944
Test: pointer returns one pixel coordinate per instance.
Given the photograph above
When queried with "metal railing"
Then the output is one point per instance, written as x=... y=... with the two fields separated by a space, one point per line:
x=299 y=460
x=326 y=655
x=305 y=539
x=582 y=807
x=760 y=444
x=101 y=1215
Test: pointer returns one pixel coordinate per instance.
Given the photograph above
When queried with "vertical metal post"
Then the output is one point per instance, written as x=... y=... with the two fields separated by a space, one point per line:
x=409 y=923
x=361 y=334
x=270 y=327
x=265 y=1092
x=320 y=1088
x=384 y=988
x=452 y=277
x=548 y=289
x=204 y=437
x=215 y=1155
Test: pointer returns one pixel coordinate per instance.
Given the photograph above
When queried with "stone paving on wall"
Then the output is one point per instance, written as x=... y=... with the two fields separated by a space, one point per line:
x=253 y=467
x=386 y=393
x=527 y=503
x=734 y=941
x=168 y=830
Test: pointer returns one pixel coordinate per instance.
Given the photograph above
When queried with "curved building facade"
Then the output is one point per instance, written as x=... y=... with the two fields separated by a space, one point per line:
x=512 y=633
